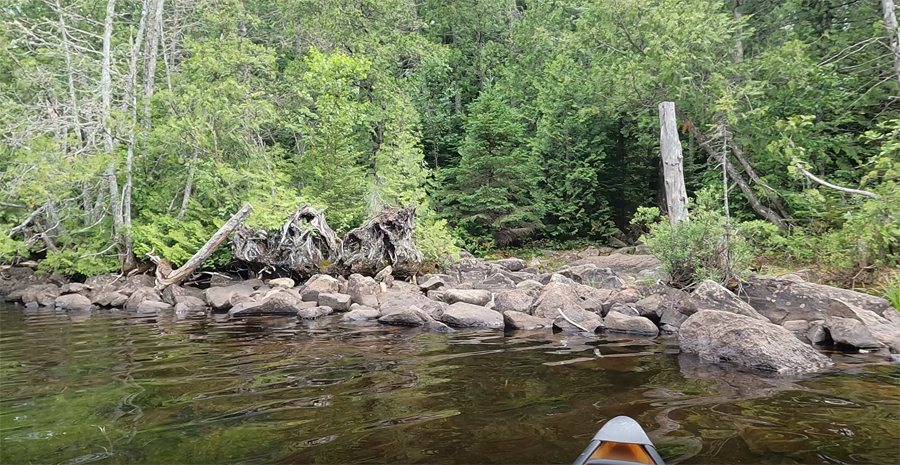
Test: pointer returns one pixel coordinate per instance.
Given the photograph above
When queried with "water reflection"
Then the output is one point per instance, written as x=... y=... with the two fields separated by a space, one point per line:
x=116 y=386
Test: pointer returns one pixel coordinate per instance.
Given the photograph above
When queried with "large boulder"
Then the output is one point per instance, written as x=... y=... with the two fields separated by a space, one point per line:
x=518 y=320
x=556 y=296
x=409 y=316
x=718 y=336
x=338 y=302
x=515 y=300
x=433 y=283
x=219 y=298
x=465 y=315
x=109 y=299
x=284 y=283
x=75 y=288
x=151 y=306
x=791 y=298
x=392 y=302
x=43 y=295
x=869 y=327
x=470 y=296
x=73 y=302
x=278 y=302
x=620 y=323
x=510 y=264
x=583 y=319
x=143 y=294
x=320 y=284
x=363 y=290
x=710 y=295
x=497 y=280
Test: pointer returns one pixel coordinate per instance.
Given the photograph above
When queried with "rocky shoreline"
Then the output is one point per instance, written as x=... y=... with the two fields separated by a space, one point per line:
x=772 y=324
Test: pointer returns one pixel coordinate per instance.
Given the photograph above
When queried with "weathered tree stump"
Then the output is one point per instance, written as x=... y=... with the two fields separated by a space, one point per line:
x=386 y=239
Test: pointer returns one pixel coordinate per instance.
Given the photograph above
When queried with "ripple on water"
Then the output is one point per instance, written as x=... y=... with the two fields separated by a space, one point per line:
x=116 y=386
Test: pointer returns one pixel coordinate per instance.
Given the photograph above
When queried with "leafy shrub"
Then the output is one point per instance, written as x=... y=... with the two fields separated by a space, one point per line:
x=892 y=290
x=85 y=259
x=435 y=241
x=177 y=240
x=11 y=248
x=695 y=250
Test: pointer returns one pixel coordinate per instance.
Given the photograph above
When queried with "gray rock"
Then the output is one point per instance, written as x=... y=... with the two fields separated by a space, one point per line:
x=621 y=323
x=496 y=281
x=651 y=307
x=562 y=279
x=432 y=284
x=515 y=300
x=183 y=308
x=796 y=325
x=151 y=306
x=323 y=283
x=625 y=296
x=314 y=312
x=285 y=283
x=277 y=302
x=363 y=290
x=438 y=326
x=717 y=336
x=361 y=313
x=710 y=295
x=385 y=275
x=338 y=302
x=885 y=331
x=781 y=299
x=672 y=319
x=511 y=264
x=219 y=298
x=851 y=332
x=818 y=333
x=75 y=288
x=518 y=320
x=529 y=284
x=469 y=296
x=623 y=309
x=134 y=282
x=103 y=283
x=435 y=309
x=410 y=316
x=189 y=302
x=465 y=315
x=43 y=295
x=892 y=314
x=73 y=302
x=241 y=298
x=437 y=296
x=401 y=301
x=587 y=320
x=110 y=299
x=143 y=294
x=620 y=263
x=556 y=296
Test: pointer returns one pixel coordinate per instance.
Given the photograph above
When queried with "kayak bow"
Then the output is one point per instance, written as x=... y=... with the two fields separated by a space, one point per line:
x=621 y=441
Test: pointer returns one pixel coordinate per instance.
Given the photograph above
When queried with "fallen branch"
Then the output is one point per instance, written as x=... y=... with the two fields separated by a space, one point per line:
x=177 y=276
x=832 y=186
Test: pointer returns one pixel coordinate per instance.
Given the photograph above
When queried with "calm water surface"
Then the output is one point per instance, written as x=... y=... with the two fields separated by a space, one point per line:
x=119 y=387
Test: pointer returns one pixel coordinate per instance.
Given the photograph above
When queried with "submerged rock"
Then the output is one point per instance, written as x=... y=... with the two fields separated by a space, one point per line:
x=718 y=336
x=73 y=302
x=586 y=321
x=361 y=313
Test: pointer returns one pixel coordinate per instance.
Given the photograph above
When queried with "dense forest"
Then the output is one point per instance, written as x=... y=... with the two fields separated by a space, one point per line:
x=131 y=126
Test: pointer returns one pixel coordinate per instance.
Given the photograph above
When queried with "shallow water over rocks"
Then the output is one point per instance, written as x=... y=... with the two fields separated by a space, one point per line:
x=123 y=387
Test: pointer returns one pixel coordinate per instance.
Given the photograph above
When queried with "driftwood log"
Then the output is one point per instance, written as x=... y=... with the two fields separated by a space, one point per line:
x=165 y=276
x=304 y=245
x=386 y=239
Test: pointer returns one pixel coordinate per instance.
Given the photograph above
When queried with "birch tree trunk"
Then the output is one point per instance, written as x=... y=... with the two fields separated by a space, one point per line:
x=670 y=146
x=153 y=37
x=105 y=98
x=890 y=22
x=738 y=13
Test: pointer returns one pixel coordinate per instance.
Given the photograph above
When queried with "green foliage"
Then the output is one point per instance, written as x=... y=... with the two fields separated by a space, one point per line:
x=177 y=240
x=698 y=249
x=892 y=291
x=11 y=248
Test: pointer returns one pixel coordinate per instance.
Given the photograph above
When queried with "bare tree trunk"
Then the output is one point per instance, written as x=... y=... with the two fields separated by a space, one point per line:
x=188 y=187
x=670 y=147
x=131 y=91
x=748 y=168
x=738 y=12
x=153 y=34
x=70 y=78
x=890 y=22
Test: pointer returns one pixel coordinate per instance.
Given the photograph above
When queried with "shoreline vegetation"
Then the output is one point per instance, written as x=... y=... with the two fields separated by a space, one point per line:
x=393 y=139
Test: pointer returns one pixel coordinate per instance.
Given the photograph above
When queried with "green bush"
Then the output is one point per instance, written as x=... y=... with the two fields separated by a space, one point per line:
x=435 y=241
x=695 y=250
x=892 y=290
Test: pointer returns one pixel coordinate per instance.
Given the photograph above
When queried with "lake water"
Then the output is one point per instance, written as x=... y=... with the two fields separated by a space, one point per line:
x=119 y=387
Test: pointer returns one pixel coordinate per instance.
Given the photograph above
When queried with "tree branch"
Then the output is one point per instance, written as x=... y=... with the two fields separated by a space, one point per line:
x=832 y=186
